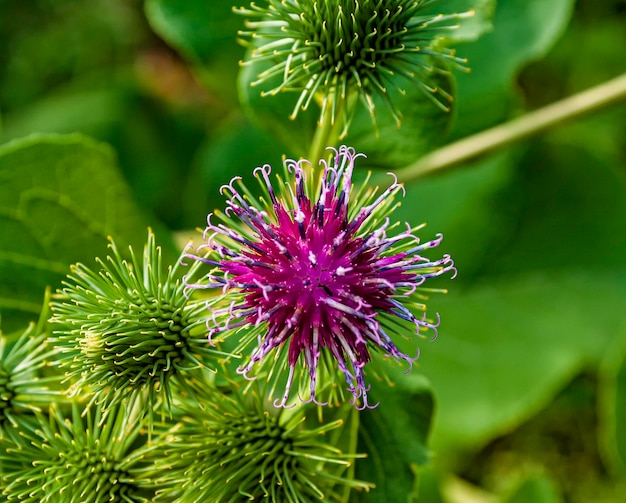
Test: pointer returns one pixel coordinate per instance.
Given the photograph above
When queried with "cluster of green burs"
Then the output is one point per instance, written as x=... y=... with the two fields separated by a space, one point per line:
x=118 y=395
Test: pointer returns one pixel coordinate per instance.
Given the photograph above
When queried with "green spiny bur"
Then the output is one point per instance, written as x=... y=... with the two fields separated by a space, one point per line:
x=128 y=329
x=333 y=50
x=86 y=457
x=26 y=384
x=234 y=449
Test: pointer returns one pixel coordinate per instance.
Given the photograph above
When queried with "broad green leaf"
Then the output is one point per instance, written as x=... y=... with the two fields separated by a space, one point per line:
x=60 y=197
x=155 y=144
x=565 y=208
x=541 y=286
x=524 y=31
x=199 y=30
x=506 y=347
x=429 y=488
x=394 y=436
x=66 y=114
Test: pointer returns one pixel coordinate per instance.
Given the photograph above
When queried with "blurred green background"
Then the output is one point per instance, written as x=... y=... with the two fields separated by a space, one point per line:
x=529 y=370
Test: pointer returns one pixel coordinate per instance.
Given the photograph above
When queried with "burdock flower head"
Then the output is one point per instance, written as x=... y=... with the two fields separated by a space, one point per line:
x=233 y=450
x=24 y=386
x=318 y=276
x=128 y=329
x=91 y=459
x=331 y=50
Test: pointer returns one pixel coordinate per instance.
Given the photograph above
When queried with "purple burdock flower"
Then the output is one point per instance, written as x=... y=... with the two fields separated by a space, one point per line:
x=315 y=273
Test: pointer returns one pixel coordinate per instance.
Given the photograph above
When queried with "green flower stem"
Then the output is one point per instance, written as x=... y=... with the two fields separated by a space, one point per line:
x=353 y=426
x=328 y=130
x=327 y=134
x=467 y=149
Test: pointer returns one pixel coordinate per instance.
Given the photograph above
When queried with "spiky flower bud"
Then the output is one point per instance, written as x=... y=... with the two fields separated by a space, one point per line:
x=317 y=276
x=24 y=385
x=79 y=459
x=233 y=450
x=129 y=328
x=331 y=50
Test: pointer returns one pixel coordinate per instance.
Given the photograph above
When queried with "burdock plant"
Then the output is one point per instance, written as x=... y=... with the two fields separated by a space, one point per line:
x=316 y=278
x=333 y=51
x=128 y=329
x=88 y=459
x=26 y=385
x=233 y=449
x=311 y=283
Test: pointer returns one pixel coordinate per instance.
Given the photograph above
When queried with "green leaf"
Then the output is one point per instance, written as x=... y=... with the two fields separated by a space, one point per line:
x=562 y=199
x=199 y=30
x=60 y=197
x=394 y=436
x=507 y=346
x=430 y=485
x=65 y=113
x=524 y=31
x=542 y=278
x=142 y=131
